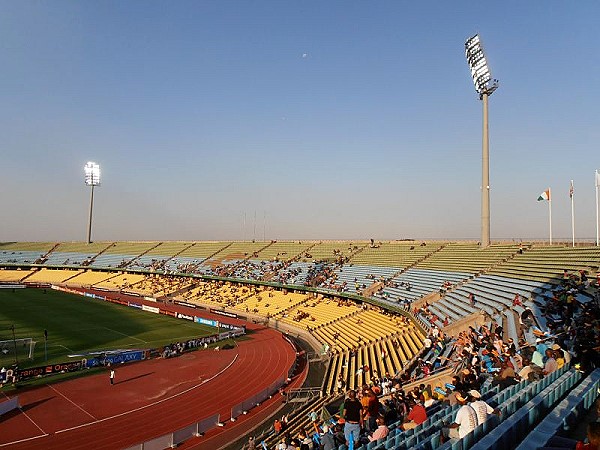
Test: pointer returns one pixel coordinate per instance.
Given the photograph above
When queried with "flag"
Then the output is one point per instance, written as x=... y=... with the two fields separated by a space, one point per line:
x=544 y=195
x=597 y=179
x=571 y=190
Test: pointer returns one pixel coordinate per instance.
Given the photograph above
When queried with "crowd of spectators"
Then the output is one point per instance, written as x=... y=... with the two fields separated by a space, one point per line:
x=159 y=285
x=177 y=348
x=481 y=357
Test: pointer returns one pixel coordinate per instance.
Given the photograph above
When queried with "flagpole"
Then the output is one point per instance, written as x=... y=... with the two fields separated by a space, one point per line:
x=597 y=180
x=572 y=191
x=550 y=213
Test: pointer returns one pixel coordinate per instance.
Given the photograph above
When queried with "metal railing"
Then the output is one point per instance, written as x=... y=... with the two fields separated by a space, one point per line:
x=173 y=439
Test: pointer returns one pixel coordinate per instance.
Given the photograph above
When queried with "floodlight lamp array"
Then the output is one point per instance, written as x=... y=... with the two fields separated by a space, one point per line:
x=482 y=76
x=92 y=174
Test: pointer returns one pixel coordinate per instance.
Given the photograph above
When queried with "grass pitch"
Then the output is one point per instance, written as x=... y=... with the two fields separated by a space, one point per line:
x=78 y=324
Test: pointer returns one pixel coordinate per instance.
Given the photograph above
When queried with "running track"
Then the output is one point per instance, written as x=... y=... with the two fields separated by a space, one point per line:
x=150 y=398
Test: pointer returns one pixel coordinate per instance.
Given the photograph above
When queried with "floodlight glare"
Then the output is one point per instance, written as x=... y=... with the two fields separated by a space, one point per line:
x=485 y=85
x=92 y=174
x=92 y=178
x=482 y=76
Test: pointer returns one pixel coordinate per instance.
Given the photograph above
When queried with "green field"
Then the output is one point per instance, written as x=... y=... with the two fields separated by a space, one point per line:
x=79 y=324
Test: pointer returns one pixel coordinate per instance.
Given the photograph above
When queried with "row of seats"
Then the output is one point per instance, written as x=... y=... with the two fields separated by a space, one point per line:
x=357 y=329
x=416 y=283
x=13 y=276
x=566 y=414
x=520 y=397
x=387 y=355
x=317 y=312
x=52 y=276
x=443 y=256
x=395 y=254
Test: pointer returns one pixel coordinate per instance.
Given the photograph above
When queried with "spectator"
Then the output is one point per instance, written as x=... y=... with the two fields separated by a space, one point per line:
x=482 y=409
x=370 y=404
x=381 y=432
x=465 y=420
x=327 y=439
x=551 y=365
x=351 y=413
x=416 y=416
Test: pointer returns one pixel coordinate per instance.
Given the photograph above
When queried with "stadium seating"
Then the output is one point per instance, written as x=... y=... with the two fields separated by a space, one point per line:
x=316 y=312
x=90 y=278
x=23 y=252
x=546 y=264
x=395 y=254
x=159 y=286
x=74 y=253
x=55 y=276
x=13 y=276
x=355 y=336
x=120 y=282
x=565 y=414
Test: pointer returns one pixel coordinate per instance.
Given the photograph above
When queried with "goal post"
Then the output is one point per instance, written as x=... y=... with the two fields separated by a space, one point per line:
x=24 y=348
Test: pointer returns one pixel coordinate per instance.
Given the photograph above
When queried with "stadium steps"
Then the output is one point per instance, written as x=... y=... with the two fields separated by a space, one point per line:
x=414 y=264
x=257 y=252
x=299 y=255
x=166 y=261
x=93 y=258
x=298 y=420
x=208 y=258
x=75 y=273
x=28 y=275
x=43 y=258
x=140 y=255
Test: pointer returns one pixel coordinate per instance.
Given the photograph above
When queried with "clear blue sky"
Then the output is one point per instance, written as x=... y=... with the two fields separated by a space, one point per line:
x=333 y=119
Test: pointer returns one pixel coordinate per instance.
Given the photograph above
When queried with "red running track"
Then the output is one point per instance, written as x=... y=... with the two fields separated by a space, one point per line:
x=149 y=399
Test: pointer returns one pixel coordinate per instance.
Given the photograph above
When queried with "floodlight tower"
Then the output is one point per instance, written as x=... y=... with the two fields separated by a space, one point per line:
x=485 y=85
x=92 y=178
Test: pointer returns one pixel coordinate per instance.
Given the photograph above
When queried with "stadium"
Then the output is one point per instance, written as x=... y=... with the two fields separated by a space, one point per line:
x=385 y=315
x=299 y=226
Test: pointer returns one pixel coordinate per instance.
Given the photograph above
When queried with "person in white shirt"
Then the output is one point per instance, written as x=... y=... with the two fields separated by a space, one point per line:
x=465 y=421
x=482 y=409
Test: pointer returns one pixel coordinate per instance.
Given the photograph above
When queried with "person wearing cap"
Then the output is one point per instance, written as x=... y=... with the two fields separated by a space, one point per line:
x=541 y=346
x=482 y=409
x=465 y=420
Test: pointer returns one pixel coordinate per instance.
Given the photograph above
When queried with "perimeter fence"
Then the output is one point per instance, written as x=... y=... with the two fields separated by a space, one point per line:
x=172 y=440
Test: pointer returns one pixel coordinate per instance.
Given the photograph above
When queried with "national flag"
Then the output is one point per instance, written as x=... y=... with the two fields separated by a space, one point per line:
x=544 y=195
x=571 y=190
x=597 y=179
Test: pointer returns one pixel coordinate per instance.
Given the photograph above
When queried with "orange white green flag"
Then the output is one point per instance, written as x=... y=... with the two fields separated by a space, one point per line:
x=544 y=195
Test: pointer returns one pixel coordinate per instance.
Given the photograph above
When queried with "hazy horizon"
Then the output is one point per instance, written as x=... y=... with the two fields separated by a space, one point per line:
x=327 y=120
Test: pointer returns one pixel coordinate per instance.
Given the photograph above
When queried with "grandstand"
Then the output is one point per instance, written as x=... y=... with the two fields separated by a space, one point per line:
x=24 y=252
x=369 y=309
x=13 y=276
x=90 y=278
x=159 y=287
x=52 y=276
x=74 y=253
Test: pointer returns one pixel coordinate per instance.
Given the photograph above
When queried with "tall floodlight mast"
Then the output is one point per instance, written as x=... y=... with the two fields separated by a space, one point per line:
x=92 y=178
x=485 y=85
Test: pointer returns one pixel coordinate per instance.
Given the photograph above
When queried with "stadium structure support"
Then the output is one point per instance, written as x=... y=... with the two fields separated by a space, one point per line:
x=485 y=86
x=92 y=178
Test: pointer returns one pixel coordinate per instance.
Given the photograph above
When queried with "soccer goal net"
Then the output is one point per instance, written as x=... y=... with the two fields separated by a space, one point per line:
x=14 y=350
